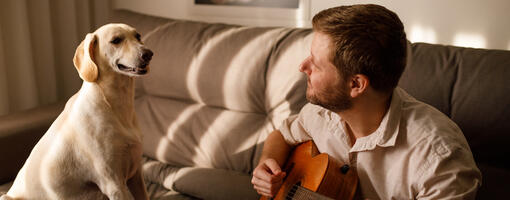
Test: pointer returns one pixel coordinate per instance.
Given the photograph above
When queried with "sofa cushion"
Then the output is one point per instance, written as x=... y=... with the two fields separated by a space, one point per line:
x=429 y=75
x=144 y=24
x=470 y=86
x=217 y=65
x=285 y=86
x=213 y=94
x=197 y=182
x=190 y=134
x=215 y=91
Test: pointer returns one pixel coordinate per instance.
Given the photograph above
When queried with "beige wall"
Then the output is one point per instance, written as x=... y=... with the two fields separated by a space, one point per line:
x=471 y=23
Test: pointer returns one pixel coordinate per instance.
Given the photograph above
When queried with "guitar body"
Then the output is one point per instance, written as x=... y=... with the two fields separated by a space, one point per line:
x=315 y=176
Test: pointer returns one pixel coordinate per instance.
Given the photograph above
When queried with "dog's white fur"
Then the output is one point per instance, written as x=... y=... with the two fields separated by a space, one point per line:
x=93 y=150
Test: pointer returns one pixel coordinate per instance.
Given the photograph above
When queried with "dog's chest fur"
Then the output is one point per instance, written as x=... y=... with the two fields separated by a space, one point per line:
x=105 y=140
x=110 y=129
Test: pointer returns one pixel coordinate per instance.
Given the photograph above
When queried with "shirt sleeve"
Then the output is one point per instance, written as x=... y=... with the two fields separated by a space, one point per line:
x=451 y=173
x=293 y=128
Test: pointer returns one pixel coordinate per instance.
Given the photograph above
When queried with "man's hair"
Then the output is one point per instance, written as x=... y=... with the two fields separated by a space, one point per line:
x=366 y=39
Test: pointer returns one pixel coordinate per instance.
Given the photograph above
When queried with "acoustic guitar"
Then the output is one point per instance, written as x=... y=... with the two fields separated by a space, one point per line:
x=311 y=175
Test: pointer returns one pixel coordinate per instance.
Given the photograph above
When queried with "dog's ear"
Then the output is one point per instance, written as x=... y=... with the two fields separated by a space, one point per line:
x=84 y=59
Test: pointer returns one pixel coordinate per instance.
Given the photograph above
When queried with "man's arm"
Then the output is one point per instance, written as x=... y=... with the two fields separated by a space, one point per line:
x=276 y=148
x=268 y=176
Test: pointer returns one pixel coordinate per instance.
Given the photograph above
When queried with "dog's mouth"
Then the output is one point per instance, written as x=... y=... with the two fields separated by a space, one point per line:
x=140 y=70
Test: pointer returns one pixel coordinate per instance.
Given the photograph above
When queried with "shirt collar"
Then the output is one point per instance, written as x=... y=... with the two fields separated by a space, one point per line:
x=386 y=134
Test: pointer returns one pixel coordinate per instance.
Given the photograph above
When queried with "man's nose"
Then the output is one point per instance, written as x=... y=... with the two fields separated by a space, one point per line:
x=304 y=66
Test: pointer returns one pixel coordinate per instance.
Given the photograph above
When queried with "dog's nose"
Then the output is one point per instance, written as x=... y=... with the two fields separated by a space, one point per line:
x=147 y=55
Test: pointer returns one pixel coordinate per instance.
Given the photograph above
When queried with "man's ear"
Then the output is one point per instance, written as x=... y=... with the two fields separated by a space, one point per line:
x=84 y=59
x=358 y=84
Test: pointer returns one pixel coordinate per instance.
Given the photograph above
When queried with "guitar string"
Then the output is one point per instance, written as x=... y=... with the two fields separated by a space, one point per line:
x=301 y=193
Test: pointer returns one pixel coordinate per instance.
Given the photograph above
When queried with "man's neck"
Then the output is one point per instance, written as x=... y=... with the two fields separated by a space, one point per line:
x=365 y=116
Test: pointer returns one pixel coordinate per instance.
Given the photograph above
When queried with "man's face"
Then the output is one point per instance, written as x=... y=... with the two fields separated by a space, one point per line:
x=325 y=86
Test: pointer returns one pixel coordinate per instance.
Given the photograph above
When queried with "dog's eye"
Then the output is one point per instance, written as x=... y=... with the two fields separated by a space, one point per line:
x=138 y=37
x=116 y=40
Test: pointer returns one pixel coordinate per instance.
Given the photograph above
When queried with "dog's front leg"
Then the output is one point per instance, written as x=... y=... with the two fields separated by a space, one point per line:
x=137 y=186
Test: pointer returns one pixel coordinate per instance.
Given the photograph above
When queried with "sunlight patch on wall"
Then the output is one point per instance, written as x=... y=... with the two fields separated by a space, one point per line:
x=300 y=22
x=418 y=33
x=469 y=40
x=508 y=48
x=302 y=17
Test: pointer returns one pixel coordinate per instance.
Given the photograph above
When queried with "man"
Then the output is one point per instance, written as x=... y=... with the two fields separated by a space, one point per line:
x=401 y=148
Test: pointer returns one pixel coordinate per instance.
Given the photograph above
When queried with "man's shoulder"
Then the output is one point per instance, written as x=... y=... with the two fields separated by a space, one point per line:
x=309 y=107
x=419 y=116
x=423 y=122
x=430 y=134
x=312 y=110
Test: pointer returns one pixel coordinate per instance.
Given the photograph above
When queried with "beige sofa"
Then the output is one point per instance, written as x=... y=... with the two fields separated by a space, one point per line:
x=215 y=91
x=213 y=95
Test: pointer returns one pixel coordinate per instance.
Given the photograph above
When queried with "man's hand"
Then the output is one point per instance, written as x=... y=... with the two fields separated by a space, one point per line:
x=268 y=178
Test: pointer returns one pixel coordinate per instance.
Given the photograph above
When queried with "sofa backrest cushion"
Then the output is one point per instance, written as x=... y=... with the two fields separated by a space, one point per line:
x=253 y=70
x=215 y=91
x=471 y=87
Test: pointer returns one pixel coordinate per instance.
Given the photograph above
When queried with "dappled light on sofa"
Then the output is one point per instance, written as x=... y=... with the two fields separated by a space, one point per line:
x=199 y=61
x=220 y=94
x=243 y=84
x=182 y=118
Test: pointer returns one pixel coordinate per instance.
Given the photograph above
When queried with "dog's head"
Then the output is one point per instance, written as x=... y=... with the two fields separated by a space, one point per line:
x=112 y=48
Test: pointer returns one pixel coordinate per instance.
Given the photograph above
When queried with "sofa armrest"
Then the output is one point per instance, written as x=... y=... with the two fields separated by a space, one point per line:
x=19 y=132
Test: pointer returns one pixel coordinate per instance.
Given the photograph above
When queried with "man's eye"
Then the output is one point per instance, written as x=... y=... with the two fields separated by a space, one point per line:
x=116 y=40
x=138 y=37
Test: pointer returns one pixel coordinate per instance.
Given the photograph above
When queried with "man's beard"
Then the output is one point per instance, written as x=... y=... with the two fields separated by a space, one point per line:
x=335 y=98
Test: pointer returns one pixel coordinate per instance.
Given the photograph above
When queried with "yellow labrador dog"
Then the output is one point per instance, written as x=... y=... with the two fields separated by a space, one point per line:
x=93 y=150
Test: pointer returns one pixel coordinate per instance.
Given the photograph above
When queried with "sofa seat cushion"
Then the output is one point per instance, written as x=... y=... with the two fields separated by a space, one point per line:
x=166 y=181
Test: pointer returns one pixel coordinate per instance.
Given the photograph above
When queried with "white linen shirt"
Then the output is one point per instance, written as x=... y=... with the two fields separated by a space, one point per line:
x=416 y=152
